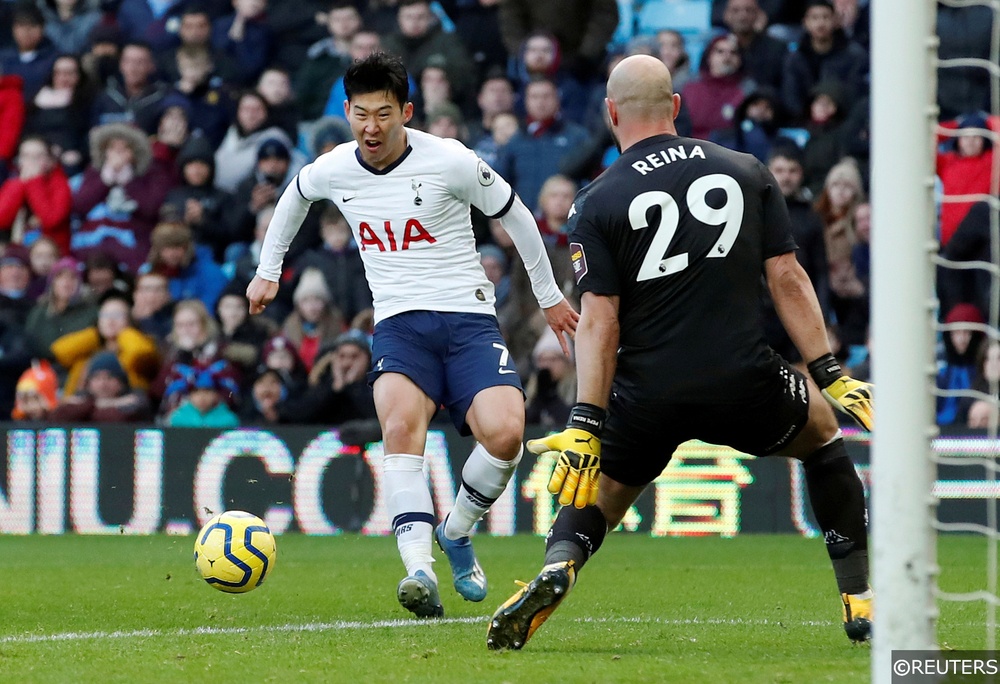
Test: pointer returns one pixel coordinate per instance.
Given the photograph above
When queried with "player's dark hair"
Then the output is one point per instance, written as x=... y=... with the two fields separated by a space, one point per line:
x=380 y=72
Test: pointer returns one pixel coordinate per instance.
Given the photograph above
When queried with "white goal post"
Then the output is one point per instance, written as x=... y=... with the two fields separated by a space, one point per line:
x=904 y=116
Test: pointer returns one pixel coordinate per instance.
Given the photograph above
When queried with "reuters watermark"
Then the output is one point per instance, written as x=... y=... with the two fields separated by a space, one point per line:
x=943 y=667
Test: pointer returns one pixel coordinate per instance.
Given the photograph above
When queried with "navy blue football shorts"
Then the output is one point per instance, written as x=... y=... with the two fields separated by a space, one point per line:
x=640 y=437
x=452 y=357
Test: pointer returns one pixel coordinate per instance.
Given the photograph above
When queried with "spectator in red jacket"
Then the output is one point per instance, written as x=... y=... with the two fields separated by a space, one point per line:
x=37 y=201
x=711 y=99
x=966 y=169
x=12 y=115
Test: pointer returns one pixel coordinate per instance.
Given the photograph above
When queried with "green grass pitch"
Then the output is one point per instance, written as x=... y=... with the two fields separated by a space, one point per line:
x=750 y=609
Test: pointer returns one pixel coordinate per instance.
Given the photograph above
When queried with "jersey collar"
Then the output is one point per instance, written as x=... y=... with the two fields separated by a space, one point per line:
x=390 y=167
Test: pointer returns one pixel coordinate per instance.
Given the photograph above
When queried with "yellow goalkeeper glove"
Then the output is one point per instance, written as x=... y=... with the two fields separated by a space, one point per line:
x=578 y=456
x=844 y=393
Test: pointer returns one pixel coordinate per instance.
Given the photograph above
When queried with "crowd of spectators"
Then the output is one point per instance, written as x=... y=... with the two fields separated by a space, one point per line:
x=144 y=143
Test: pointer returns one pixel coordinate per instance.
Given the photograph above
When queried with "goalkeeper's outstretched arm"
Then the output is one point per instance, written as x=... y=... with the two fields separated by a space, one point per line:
x=577 y=449
x=798 y=308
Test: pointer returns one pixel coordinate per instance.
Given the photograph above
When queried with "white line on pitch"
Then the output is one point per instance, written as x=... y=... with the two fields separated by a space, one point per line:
x=343 y=625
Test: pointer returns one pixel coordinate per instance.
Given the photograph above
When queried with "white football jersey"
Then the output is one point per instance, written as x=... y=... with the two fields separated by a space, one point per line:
x=411 y=221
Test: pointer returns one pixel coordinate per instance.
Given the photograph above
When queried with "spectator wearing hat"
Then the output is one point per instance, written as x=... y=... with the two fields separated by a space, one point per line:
x=338 y=389
x=68 y=24
x=236 y=156
x=15 y=277
x=825 y=146
x=191 y=271
x=244 y=37
x=966 y=167
x=62 y=309
x=202 y=91
x=32 y=55
x=105 y=398
x=60 y=112
x=37 y=393
x=825 y=53
x=114 y=332
x=196 y=201
x=120 y=196
x=136 y=97
x=153 y=306
x=755 y=125
x=957 y=368
x=207 y=393
x=37 y=201
x=327 y=59
x=314 y=320
x=100 y=62
x=271 y=174
x=339 y=261
x=193 y=342
x=280 y=354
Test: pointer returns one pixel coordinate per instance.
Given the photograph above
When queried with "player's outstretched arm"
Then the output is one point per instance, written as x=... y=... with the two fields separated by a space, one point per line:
x=799 y=311
x=523 y=231
x=577 y=449
x=288 y=215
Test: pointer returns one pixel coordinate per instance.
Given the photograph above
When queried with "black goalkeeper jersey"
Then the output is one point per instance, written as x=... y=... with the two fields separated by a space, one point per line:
x=679 y=229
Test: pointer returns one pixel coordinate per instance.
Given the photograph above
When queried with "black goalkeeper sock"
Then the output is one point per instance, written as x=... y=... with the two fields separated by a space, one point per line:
x=576 y=535
x=838 y=502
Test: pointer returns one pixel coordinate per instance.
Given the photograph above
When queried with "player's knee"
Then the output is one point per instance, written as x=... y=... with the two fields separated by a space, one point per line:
x=503 y=437
x=401 y=434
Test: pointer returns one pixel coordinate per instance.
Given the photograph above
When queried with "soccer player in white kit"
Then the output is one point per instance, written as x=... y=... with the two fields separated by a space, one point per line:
x=406 y=195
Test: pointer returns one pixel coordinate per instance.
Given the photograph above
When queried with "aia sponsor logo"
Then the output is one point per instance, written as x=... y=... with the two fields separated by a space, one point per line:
x=387 y=239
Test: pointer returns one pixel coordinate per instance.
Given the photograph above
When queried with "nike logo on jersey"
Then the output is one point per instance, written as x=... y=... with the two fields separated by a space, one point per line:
x=348 y=199
x=572 y=210
x=378 y=366
x=506 y=371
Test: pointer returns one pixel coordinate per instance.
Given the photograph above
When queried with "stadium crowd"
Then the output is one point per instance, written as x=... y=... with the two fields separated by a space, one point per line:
x=144 y=143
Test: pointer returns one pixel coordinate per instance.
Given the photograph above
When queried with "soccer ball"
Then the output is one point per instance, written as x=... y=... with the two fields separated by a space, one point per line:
x=234 y=552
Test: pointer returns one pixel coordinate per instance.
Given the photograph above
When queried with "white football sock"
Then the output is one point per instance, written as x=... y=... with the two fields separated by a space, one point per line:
x=484 y=478
x=411 y=509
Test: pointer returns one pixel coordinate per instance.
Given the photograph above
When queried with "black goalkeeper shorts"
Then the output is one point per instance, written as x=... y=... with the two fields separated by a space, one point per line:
x=640 y=436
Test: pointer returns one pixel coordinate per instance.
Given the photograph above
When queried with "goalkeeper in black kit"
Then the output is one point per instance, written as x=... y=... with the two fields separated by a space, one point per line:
x=668 y=248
